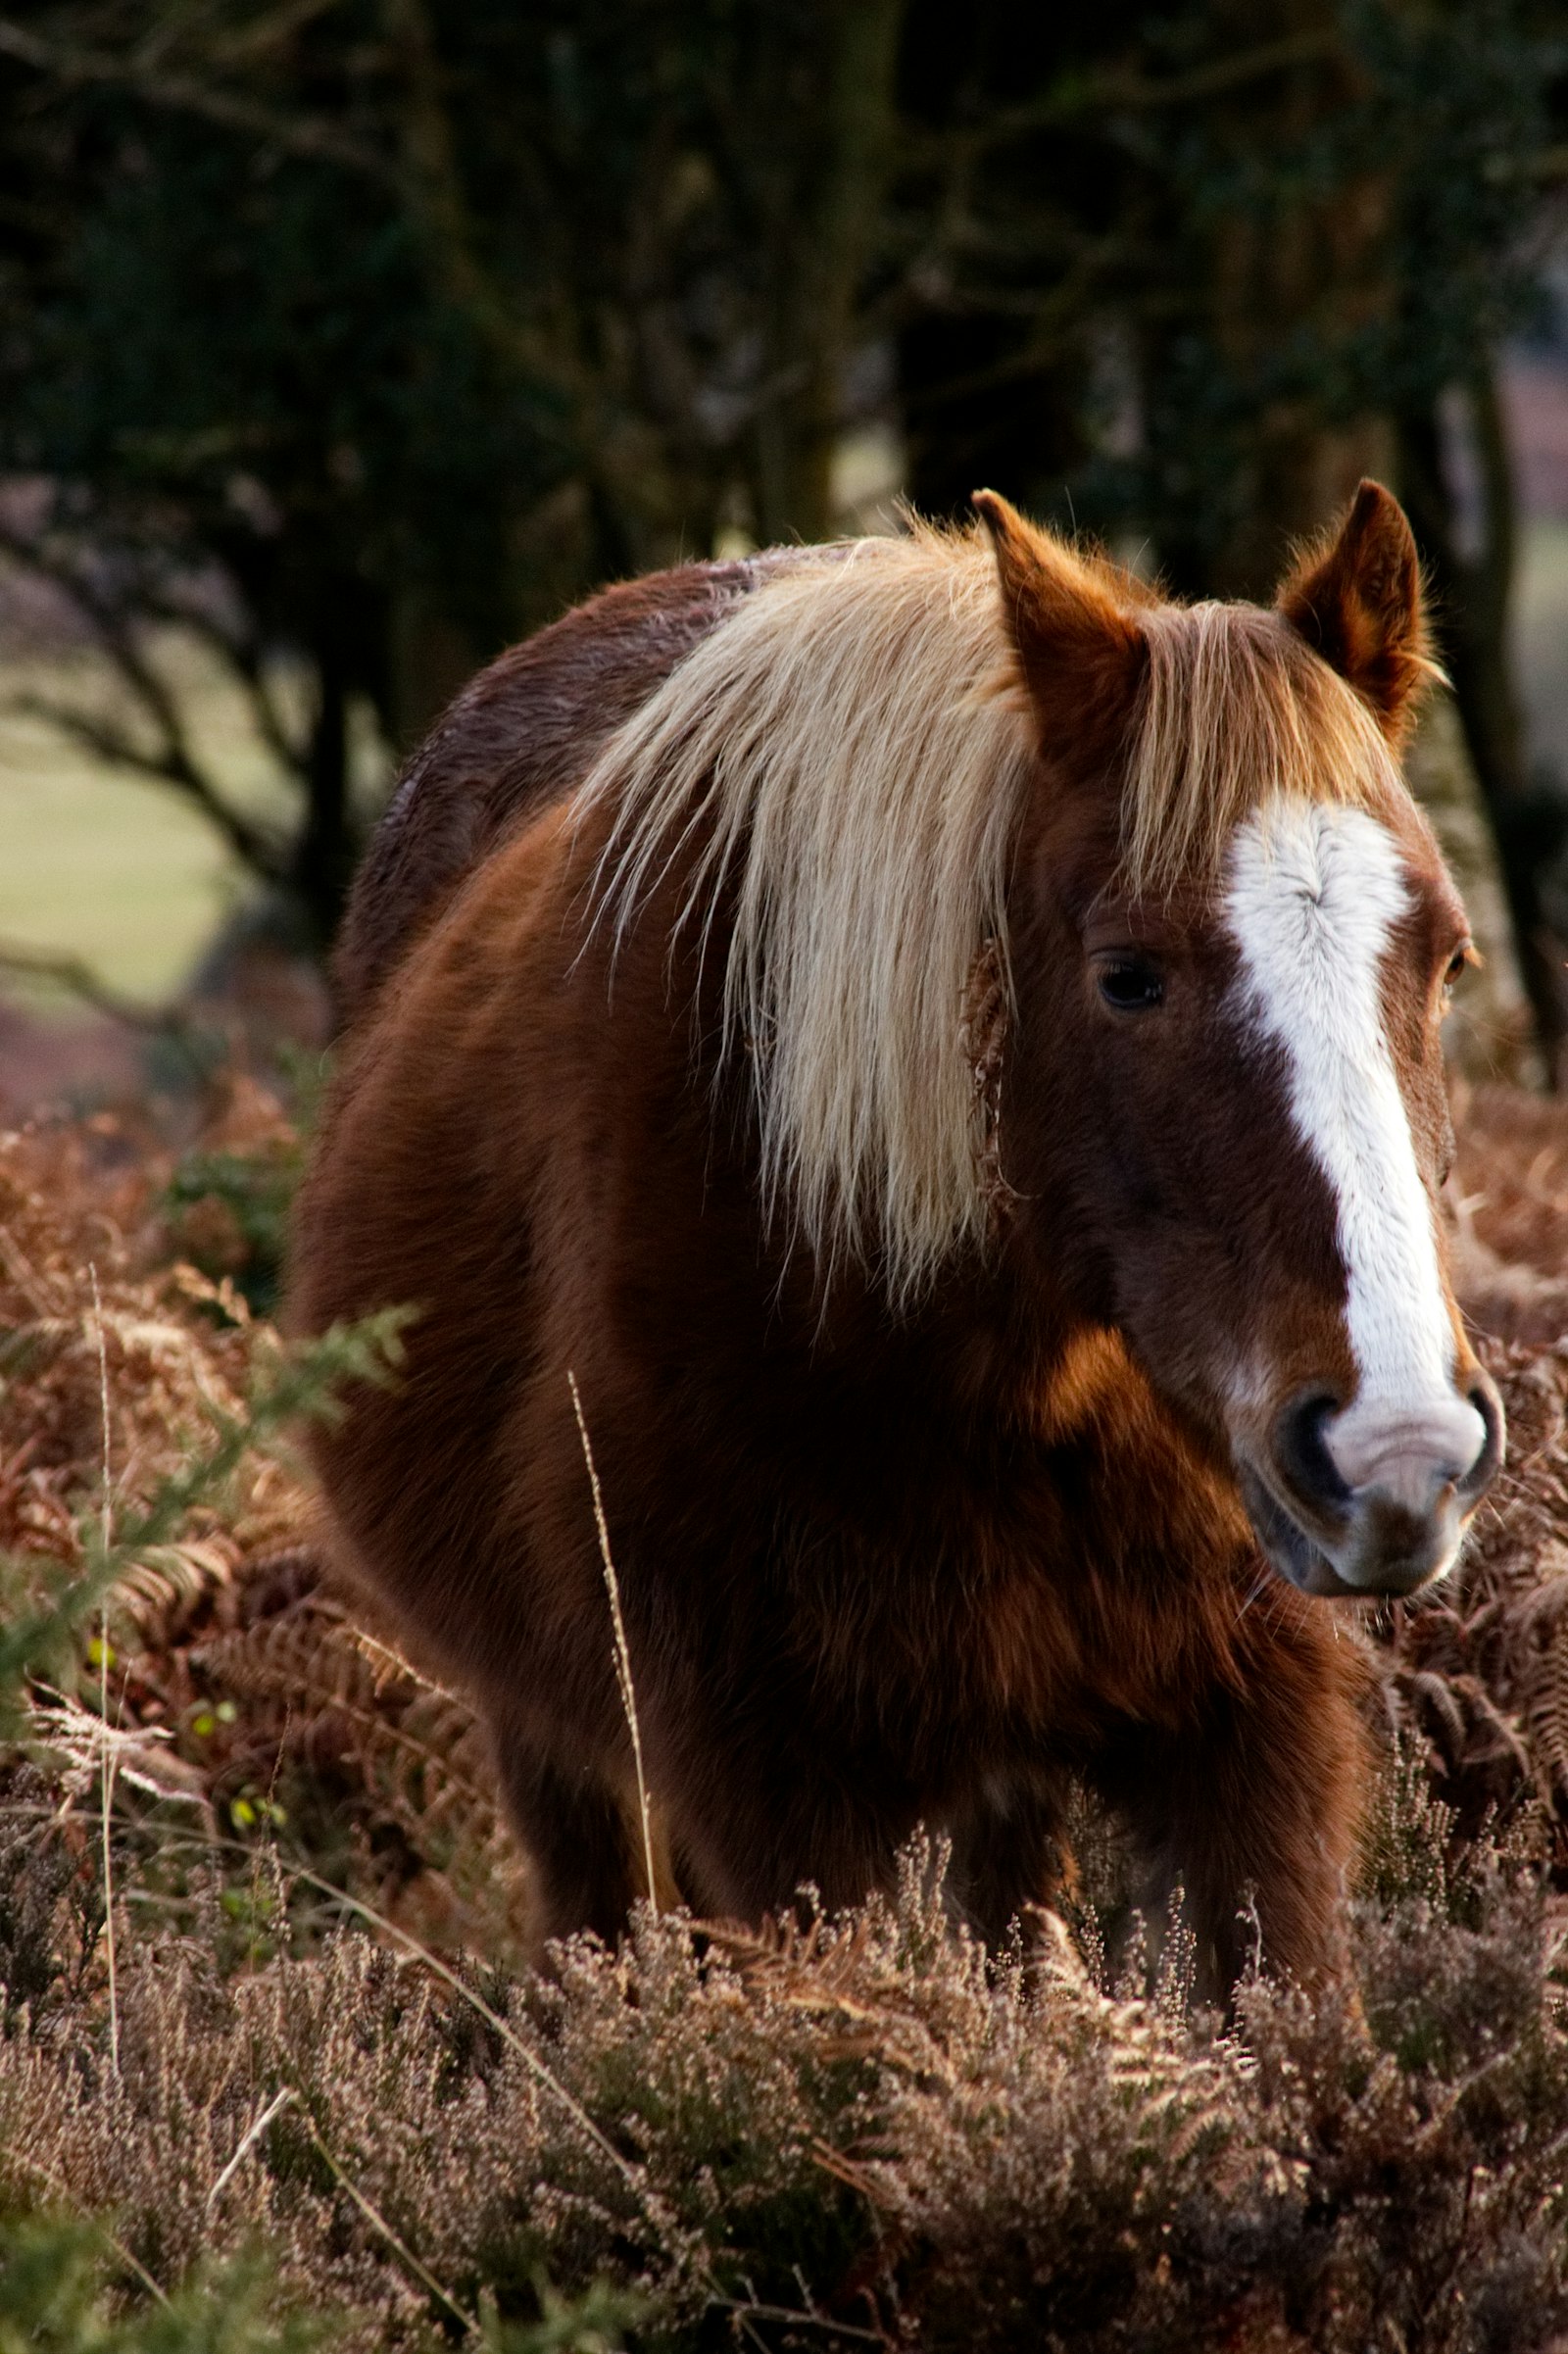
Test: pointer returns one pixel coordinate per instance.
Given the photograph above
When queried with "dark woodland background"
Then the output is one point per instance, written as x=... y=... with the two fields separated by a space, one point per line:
x=359 y=337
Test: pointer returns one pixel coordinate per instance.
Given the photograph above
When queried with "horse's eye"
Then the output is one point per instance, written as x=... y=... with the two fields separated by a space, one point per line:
x=1452 y=971
x=1131 y=984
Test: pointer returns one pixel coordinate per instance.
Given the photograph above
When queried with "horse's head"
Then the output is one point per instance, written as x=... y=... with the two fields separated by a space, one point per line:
x=1232 y=939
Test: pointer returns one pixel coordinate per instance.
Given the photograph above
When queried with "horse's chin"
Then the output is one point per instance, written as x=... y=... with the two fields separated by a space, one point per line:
x=1298 y=1556
x=1291 y=1551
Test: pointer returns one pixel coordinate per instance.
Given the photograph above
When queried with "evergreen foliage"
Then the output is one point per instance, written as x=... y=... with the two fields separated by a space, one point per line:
x=360 y=339
x=54 y=2282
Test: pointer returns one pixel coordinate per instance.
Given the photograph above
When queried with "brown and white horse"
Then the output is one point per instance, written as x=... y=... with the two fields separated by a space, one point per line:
x=945 y=1045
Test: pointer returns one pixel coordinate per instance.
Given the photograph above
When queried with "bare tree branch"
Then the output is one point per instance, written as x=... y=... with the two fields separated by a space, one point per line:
x=1071 y=97
x=172 y=763
x=433 y=184
x=617 y=457
x=117 y=749
x=74 y=974
x=1226 y=73
x=262 y=34
x=243 y=656
x=181 y=93
x=246 y=662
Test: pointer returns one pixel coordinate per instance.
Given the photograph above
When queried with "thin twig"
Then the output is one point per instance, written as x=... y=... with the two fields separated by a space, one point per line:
x=304 y=135
x=1070 y=98
x=248 y=2142
x=399 y=2247
x=103 y=1680
x=74 y=974
x=628 y=1697
x=264 y=33
x=745 y=2310
x=508 y=2036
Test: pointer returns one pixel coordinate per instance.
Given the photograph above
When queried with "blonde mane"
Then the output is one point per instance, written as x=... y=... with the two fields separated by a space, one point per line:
x=849 y=751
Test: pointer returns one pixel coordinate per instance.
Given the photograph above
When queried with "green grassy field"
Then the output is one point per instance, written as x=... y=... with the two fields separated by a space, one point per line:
x=105 y=869
x=96 y=864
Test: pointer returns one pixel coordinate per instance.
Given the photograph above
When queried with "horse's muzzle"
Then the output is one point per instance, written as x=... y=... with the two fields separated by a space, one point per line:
x=1369 y=1500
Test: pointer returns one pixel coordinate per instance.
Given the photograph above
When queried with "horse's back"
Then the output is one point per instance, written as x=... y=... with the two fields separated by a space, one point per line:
x=520 y=737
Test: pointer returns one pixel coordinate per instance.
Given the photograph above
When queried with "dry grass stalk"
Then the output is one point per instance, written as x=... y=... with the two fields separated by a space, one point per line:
x=628 y=1696
x=460 y=1986
x=108 y=1788
x=252 y=2135
x=399 y=2246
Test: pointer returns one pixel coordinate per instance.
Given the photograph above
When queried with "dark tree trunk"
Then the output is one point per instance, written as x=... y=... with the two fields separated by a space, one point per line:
x=982 y=413
x=819 y=229
x=991 y=363
x=1471 y=601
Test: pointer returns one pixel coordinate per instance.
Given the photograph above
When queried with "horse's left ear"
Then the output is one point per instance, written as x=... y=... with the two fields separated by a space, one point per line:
x=1358 y=602
x=1078 y=647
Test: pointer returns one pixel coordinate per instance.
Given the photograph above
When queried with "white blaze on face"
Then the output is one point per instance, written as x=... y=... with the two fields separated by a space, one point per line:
x=1313 y=896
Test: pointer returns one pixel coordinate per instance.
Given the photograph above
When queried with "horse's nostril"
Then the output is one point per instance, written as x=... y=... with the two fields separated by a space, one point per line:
x=1302 y=1452
x=1483 y=1397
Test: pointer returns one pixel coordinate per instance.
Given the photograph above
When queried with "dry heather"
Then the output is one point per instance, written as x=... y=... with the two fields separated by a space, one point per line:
x=863 y=2132
x=859 y=2133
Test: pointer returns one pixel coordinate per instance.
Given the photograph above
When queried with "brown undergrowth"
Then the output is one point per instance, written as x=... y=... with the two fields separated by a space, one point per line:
x=858 y=2132
x=242 y=1688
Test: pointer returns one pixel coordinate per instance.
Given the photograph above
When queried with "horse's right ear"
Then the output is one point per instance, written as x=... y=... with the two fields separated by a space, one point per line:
x=1356 y=600
x=1078 y=647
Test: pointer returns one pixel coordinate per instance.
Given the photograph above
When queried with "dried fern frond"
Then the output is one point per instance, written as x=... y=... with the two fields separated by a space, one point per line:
x=76 y=1742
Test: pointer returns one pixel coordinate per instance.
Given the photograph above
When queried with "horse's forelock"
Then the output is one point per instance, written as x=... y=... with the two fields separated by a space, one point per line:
x=1234 y=711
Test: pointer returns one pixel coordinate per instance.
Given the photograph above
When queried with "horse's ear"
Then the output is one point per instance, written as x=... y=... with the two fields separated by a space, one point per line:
x=1357 y=600
x=1079 y=649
